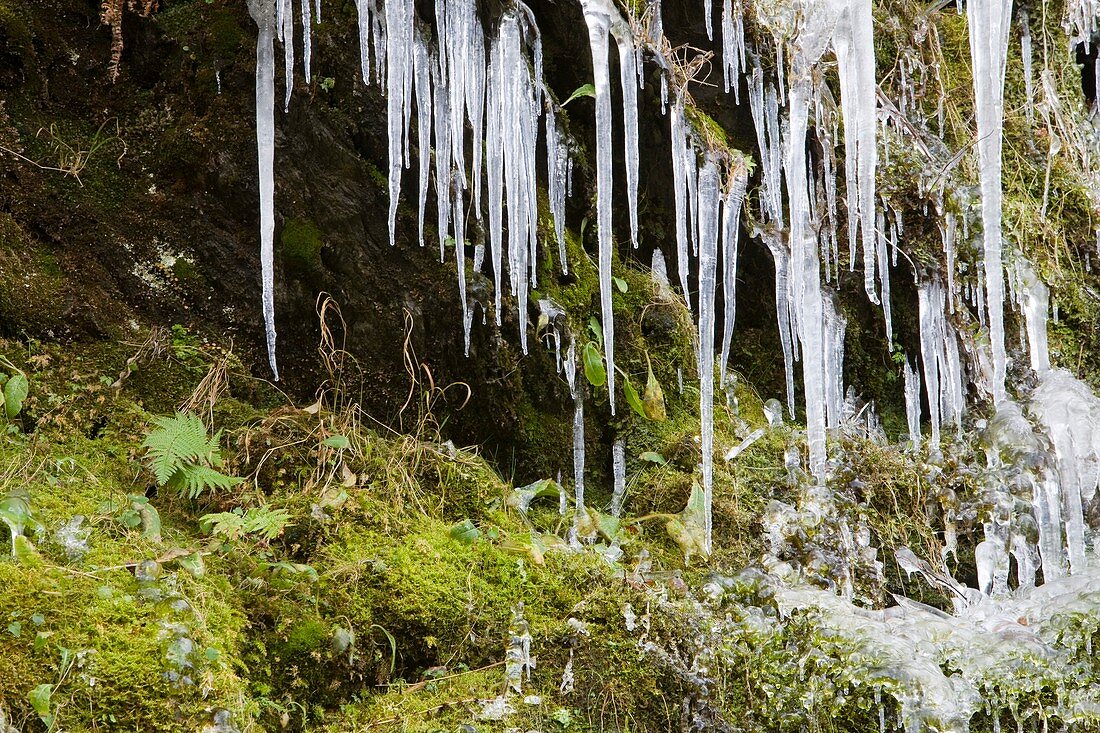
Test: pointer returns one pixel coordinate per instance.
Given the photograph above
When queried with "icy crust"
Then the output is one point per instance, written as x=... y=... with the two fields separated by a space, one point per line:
x=805 y=655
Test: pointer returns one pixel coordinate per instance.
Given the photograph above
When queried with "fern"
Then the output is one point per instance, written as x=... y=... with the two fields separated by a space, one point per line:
x=183 y=457
x=261 y=521
x=195 y=479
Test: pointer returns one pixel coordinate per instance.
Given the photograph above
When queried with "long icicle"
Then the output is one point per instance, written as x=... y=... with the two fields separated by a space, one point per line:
x=989 y=21
x=263 y=12
x=731 y=224
x=597 y=17
x=707 y=210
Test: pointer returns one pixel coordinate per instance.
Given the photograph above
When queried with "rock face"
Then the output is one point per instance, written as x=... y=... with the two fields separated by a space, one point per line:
x=135 y=201
x=153 y=217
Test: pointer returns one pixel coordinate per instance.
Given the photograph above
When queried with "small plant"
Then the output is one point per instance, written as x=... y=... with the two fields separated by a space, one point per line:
x=184 y=458
x=134 y=512
x=261 y=521
x=16 y=387
x=15 y=513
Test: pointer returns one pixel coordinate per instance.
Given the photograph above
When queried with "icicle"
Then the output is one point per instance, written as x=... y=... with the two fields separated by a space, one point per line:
x=731 y=225
x=399 y=76
x=1035 y=298
x=912 y=403
x=559 y=168
x=988 y=22
x=263 y=12
x=494 y=170
x=364 y=8
x=765 y=116
x=834 y=327
x=422 y=63
x=948 y=233
x=577 y=390
x=443 y=149
x=781 y=257
x=286 y=35
x=1025 y=54
x=460 y=264
x=707 y=210
x=943 y=378
x=884 y=279
x=805 y=266
x=679 y=192
x=708 y=19
x=512 y=126
x=733 y=47
x=1068 y=411
x=656 y=24
x=307 y=40
x=597 y=15
x=855 y=53
x=518 y=661
x=628 y=74
x=618 y=472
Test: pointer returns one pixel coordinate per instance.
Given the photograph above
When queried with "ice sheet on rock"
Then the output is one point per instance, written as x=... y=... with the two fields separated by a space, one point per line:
x=1070 y=415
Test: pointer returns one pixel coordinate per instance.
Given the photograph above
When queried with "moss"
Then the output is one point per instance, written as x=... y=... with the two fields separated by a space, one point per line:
x=300 y=245
x=31 y=283
x=121 y=652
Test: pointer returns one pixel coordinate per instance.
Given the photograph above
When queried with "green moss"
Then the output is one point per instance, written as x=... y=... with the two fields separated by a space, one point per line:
x=300 y=245
x=31 y=283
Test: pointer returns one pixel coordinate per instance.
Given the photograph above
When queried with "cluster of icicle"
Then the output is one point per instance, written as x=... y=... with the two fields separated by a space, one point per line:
x=493 y=88
x=810 y=328
x=496 y=90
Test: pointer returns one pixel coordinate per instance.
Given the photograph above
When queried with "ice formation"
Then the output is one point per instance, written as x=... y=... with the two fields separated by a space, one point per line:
x=604 y=21
x=618 y=472
x=943 y=373
x=988 y=23
x=263 y=12
x=483 y=116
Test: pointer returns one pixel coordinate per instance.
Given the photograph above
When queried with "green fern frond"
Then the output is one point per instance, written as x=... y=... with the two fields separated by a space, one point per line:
x=261 y=521
x=194 y=479
x=227 y=524
x=268 y=523
x=177 y=442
